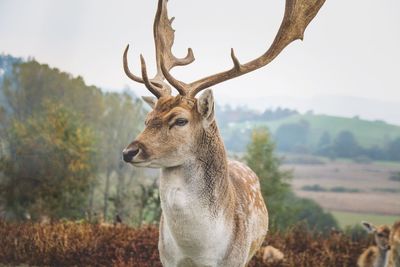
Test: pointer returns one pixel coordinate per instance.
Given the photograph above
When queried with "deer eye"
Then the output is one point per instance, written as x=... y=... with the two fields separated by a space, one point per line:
x=181 y=122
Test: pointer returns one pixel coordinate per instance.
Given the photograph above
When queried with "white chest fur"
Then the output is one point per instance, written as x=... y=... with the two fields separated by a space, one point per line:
x=190 y=230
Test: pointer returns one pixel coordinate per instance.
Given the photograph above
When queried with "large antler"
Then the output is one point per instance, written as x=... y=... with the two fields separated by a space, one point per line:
x=164 y=40
x=298 y=14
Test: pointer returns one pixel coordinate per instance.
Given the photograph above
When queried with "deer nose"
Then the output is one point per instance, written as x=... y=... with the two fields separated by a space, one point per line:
x=129 y=153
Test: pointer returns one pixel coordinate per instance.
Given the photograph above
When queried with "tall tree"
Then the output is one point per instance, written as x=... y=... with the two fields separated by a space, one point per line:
x=261 y=159
x=293 y=137
x=284 y=208
x=345 y=145
x=31 y=84
x=50 y=165
x=393 y=150
x=121 y=123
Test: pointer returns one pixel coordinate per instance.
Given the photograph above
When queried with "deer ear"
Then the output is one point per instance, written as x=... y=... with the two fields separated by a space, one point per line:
x=369 y=227
x=151 y=100
x=205 y=106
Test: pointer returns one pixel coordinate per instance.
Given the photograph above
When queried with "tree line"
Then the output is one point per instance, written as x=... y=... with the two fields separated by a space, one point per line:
x=294 y=137
x=61 y=143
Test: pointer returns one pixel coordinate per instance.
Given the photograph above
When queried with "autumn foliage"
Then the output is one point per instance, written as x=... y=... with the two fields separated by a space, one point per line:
x=81 y=244
x=72 y=244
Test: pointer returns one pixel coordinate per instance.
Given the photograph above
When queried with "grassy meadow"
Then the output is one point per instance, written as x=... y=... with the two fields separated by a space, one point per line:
x=346 y=219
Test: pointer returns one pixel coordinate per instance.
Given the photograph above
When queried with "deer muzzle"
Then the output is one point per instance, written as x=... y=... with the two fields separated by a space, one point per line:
x=129 y=153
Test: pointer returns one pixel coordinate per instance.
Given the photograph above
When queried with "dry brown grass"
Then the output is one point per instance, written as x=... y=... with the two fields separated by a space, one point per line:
x=71 y=244
x=364 y=177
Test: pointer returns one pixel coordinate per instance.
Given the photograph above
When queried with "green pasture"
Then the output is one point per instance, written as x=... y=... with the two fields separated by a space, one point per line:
x=350 y=218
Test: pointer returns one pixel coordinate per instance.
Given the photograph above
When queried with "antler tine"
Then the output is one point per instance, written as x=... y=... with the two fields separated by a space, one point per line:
x=164 y=40
x=164 y=36
x=178 y=85
x=153 y=89
x=127 y=70
x=156 y=86
x=298 y=14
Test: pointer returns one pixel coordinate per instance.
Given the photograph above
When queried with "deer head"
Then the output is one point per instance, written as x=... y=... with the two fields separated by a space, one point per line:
x=381 y=234
x=176 y=123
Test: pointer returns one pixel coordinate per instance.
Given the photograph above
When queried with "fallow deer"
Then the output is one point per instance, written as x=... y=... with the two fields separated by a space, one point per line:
x=213 y=213
x=375 y=256
x=394 y=240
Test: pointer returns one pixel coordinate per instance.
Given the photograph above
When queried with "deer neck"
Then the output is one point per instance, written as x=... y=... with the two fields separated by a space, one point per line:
x=205 y=173
x=395 y=257
x=382 y=257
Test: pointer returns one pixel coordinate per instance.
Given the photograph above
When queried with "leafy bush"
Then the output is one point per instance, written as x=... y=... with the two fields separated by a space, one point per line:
x=395 y=177
x=336 y=189
x=362 y=159
x=356 y=232
x=387 y=190
x=342 y=189
x=315 y=187
x=303 y=159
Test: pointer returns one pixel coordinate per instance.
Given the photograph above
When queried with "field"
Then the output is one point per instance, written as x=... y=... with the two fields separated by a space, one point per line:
x=352 y=218
x=73 y=244
x=375 y=194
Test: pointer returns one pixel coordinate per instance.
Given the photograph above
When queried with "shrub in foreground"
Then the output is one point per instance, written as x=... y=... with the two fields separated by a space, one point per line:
x=74 y=244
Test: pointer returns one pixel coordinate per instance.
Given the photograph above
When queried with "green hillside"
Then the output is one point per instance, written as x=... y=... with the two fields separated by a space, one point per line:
x=367 y=133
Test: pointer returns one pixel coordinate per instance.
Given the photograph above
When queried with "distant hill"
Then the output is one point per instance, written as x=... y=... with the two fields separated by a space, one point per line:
x=318 y=127
x=367 y=133
x=334 y=104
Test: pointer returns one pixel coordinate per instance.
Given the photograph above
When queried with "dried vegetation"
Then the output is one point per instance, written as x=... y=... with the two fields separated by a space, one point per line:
x=81 y=244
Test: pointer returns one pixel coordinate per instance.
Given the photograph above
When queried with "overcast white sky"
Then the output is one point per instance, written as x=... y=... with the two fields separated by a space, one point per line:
x=348 y=64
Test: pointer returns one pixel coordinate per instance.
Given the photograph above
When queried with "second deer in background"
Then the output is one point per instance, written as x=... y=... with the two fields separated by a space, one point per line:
x=376 y=256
